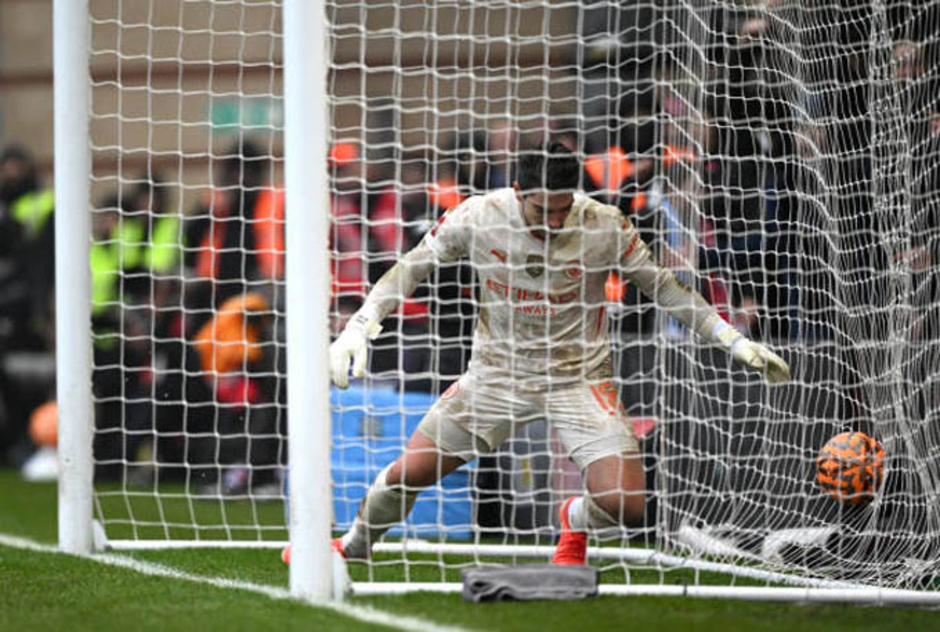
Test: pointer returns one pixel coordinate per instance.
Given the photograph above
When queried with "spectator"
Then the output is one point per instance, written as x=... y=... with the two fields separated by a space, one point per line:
x=27 y=276
x=374 y=222
x=136 y=269
x=235 y=233
x=565 y=131
x=233 y=442
x=484 y=158
x=449 y=294
x=27 y=249
x=614 y=55
x=348 y=244
x=395 y=216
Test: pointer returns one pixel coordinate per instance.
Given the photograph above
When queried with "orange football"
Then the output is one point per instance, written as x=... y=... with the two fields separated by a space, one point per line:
x=850 y=467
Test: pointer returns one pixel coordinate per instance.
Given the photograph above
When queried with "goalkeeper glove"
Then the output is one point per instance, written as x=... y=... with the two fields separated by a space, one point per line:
x=752 y=354
x=353 y=344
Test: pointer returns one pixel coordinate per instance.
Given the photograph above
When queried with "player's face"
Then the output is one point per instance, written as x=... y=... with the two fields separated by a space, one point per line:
x=545 y=212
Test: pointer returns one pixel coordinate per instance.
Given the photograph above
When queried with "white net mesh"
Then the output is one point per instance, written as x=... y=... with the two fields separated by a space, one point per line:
x=780 y=157
x=187 y=265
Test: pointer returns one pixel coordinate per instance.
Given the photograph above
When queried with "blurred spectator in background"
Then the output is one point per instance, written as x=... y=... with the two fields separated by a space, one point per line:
x=27 y=250
x=449 y=293
x=484 y=157
x=374 y=221
x=565 y=131
x=395 y=216
x=235 y=235
x=27 y=284
x=136 y=268
x=615 y=55
x=233 y=443
x=347 y=242
x=750 y=181
x=920 y=98
x=235 y=263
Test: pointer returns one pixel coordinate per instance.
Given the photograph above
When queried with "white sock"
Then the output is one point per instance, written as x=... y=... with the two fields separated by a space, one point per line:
x=382 y=508
x=577 y=517
x=585 y=515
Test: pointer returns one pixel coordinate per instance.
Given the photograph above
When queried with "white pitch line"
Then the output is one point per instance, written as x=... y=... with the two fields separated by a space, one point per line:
x=362 y=613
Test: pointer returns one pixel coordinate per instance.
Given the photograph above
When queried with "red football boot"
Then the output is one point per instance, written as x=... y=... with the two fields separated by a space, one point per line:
x=336 y=545
x=572 y=545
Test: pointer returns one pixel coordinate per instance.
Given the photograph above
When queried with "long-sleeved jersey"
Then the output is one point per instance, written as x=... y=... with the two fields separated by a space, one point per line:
x=542 y=302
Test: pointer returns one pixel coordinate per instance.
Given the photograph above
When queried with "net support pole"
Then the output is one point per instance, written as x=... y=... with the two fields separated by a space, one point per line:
x=308 y=281
x=73 y=274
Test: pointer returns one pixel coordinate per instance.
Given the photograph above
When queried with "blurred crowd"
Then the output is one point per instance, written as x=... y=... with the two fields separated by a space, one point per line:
x=724 y=177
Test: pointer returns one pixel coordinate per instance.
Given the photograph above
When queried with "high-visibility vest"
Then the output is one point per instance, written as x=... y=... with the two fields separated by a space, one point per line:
x=163 y=253
x=126 y=249
x=267 y=221
x=609 y=171
x=207 y=257
x=269 y=232
x=32 y=211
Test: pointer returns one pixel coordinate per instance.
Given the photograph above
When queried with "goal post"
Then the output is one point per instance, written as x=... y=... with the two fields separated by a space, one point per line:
x=73 y=278
x=256 y=165
x=308 y=289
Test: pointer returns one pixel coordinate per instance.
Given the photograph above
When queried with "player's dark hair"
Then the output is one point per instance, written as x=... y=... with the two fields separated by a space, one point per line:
x=552 y=166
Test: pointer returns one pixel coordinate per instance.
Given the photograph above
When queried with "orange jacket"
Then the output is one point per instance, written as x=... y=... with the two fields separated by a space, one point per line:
x=227 y=343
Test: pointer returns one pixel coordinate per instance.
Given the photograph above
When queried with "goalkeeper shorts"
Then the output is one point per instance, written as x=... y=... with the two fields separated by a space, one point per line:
x=475 y=415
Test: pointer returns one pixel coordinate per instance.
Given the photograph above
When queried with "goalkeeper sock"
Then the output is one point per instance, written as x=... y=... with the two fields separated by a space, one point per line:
x=382 y=508
x=586 y=515
x=577 y=517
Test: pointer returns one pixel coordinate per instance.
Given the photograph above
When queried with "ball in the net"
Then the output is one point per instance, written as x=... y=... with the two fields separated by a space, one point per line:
x=850 y=467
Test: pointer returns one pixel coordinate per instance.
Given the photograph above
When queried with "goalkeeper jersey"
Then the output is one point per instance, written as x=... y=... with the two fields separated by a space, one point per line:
x=542 y=302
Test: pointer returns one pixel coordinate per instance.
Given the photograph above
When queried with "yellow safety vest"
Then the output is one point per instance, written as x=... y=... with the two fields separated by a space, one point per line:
x=32 y=210
x=126 y=249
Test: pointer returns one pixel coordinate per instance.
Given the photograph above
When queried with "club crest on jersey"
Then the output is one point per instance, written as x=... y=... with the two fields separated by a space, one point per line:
x=575 y=271
x=534 y=266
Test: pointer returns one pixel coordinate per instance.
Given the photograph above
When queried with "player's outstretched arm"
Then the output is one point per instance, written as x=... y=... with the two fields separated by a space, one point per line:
x=691 y=309
x=393 y=287
x=447 y=241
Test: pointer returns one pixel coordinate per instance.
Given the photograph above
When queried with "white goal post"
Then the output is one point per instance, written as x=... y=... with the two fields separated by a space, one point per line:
x=252 y=167
x=306 y=272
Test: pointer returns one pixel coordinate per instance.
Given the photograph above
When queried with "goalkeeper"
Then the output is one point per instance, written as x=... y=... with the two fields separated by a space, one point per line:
x=540 y=351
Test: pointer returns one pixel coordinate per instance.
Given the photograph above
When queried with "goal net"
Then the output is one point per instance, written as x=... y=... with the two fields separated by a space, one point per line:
x=779 y=156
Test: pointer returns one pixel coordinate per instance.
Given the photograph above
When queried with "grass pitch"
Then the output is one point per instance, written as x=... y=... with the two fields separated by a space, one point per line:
x=47 y=591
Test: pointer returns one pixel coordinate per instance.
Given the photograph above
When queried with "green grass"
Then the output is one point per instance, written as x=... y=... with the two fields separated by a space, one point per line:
x=43 y=591
x=139 y=514
x=40 y=591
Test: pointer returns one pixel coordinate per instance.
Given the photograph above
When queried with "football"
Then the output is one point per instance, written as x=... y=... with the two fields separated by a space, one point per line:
x=850 y=467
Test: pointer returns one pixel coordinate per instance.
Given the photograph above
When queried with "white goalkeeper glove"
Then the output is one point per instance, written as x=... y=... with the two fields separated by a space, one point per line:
x=353 y=344
x=752 y=354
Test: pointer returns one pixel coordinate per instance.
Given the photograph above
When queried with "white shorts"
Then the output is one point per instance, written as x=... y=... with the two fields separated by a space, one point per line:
x=475 y=415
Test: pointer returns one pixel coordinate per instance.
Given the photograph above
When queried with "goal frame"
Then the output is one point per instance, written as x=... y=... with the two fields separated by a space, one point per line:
x=307 y=277
x=306 y=57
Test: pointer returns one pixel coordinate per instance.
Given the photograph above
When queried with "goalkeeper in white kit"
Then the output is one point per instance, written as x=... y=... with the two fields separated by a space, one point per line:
x=542 y=252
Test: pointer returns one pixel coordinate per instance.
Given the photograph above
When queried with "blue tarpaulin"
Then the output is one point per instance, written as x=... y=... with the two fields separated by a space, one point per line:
x=370 y=429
